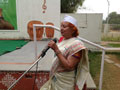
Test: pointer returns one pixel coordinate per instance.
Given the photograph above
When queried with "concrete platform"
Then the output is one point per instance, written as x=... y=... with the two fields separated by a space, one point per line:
x=22 y=59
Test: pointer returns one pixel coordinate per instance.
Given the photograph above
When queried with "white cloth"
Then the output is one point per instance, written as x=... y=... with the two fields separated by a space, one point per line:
x=68 y=48
x=71 y=20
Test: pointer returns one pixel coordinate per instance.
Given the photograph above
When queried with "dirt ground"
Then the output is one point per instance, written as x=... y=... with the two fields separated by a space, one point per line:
x=114 y=58
x=111 y=77
x=111 y=74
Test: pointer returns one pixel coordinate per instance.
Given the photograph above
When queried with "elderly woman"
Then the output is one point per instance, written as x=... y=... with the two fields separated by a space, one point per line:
x=70 y=68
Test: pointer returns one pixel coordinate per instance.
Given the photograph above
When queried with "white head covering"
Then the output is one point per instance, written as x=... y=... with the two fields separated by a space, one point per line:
x=71 y=20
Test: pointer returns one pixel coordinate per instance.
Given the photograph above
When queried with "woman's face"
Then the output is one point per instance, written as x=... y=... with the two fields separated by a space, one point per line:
x=66 y=31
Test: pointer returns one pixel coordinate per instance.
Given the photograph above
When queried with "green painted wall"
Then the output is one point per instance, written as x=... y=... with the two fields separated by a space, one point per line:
x=9 y=11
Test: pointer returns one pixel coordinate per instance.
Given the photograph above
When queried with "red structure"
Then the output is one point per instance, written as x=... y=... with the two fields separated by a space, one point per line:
x=26 y=83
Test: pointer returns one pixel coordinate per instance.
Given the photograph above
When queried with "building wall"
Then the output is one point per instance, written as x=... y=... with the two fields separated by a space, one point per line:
x=89 y=25
x=28 y=10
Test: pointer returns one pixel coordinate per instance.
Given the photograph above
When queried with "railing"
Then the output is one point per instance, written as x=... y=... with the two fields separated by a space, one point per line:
x=84 y=40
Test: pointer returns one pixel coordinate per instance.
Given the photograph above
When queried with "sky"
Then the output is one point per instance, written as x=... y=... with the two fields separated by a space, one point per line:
x=100 y=6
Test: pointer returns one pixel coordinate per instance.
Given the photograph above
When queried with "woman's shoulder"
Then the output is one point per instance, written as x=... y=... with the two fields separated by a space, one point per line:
x=77 y=40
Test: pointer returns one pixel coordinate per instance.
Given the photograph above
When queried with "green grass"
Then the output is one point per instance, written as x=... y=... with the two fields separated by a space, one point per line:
x=95 y=63
x=118 y=56
x=113 y=45
x=115 y=53
x=115 y=39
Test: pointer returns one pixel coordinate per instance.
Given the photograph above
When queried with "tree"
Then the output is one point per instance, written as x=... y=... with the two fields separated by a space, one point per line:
x=70 y=6
x=114 y=18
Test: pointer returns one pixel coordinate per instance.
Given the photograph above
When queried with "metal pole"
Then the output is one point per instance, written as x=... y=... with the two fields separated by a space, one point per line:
x=50 y=26
x=108 y=10
x=35 y=49
x=91 y=43
x=101 y=72
x=24 y=73
x=35 y=42
x=108 y=16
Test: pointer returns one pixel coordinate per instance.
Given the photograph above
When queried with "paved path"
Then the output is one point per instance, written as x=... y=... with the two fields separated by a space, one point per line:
x=108 y=60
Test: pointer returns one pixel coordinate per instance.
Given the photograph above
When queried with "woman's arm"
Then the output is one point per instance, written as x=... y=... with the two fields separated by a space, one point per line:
x=68 y=63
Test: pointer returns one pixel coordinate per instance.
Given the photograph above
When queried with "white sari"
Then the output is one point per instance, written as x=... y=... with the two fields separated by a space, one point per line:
x=67 y=80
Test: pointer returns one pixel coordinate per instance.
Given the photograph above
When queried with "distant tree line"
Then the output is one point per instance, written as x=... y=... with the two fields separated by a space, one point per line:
x=113 y=19
x=70 y=6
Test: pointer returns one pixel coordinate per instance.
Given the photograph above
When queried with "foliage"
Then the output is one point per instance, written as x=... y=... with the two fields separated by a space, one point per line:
x=70 y=6
x=115 y=27
x=114 y=18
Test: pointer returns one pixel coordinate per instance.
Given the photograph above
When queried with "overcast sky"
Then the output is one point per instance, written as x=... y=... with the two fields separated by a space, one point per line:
x=100 y=6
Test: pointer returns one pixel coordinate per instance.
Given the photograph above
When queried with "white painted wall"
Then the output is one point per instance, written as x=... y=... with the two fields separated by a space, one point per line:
x=90 y=26
x=28 y=10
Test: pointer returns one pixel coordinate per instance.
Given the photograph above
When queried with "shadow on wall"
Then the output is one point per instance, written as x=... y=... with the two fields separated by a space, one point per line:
x=4 y=25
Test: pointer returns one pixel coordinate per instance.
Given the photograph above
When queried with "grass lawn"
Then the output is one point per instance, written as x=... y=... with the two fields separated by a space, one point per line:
x=113 y=45
x=95 y=63
x=111 y=75
x=118 y=55
x=115 y=39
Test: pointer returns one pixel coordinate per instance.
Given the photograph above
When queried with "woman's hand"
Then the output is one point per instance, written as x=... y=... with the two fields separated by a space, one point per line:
x=53 y=45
